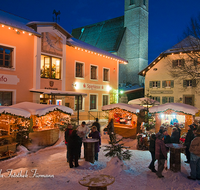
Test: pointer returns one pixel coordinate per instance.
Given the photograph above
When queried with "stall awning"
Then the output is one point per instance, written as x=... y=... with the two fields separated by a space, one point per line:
x=179 y=107
x=14 y=111
x=41 y=109
x=127 y=107
x=58 y=92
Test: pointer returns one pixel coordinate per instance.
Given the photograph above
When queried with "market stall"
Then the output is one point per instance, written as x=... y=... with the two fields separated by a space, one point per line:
x=11 y=121
x=45 y=120
x=173 y=113
x=125 y=118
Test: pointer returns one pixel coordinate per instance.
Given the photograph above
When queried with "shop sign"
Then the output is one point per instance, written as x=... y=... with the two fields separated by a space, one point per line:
x=9 y=79
x=88 y=86
x=161 y=91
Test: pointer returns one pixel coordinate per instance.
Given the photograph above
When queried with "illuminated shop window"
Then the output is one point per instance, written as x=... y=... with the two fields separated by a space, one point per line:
x=50 y=67
x=5 y=98
x=93 y=102
x=172 y=119
x=6 y=57
x=93 y=72
x=105 y=74
x=79 y=69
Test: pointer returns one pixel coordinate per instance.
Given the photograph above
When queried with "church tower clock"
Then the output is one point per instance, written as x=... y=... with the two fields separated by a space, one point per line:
x=134 y=46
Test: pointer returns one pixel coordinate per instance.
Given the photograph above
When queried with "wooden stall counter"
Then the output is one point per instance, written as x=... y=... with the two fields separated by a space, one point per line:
x=125 y=131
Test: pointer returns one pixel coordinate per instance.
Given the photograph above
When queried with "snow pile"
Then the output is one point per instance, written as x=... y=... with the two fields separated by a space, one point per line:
x=114 y=167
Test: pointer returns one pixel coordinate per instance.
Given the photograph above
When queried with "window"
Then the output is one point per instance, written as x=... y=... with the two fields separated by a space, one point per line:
x=156 y=98
x=93 y=72
x=144 y=2
x=154 y=84
x=105 y=100
x=5 y=98
x=187 y=83
x=6 y=57
x=79 y=69
x=178 y=63
x=188 y=100
x=80 y=102
x=50 y=67
x=93 y=102
x=167 y=100
x=132 y=2
x=168 y=84
x=105 y=74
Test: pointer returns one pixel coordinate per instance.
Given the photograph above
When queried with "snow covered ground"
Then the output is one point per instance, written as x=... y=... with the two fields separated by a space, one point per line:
x=51 y=161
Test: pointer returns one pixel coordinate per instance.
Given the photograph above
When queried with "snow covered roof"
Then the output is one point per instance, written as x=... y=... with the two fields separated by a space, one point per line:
x=14 y=111
x=179 y=107
x=16 y=22
x=127 y=107
x=140 y=101
x=41 y=109
x=77 y=43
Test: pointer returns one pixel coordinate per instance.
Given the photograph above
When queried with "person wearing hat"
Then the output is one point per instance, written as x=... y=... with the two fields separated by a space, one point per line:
x=82 y=132
x=195 y=157
x=160 y=154
x=189 y=137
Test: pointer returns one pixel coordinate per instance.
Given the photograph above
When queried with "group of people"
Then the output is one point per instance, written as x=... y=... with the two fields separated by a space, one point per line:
x=159 y=151
x=74 y=139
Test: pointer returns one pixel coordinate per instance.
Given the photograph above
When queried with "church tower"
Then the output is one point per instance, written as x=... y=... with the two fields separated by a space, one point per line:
x=134 y=45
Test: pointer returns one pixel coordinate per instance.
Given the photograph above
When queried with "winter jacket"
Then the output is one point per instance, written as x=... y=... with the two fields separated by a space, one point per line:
x=152 y=143
x=175 y=137
x=189 y=137
x=97 y=125
x=161 y=152
x=68 y=132
x=74 y=143
x=96 y=135
x=195 y=146
x=167 y=139
x=81 y=129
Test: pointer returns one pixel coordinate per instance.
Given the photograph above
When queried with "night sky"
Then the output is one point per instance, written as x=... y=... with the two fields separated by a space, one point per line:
x=167 y=18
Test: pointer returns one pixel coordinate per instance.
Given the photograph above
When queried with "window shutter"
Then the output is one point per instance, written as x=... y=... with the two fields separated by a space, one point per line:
x=195 y=62
x=171 y=99
x=173 y=63
x=164 y=100
x=163 y=83
x=150 y=84
x=158 y=84
x=182 y=62
x=172 y=84
x=184 y=83
x=193 y=83
x=158 y=99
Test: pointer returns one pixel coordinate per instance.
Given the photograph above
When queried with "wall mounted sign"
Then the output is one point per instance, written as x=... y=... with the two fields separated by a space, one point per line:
x=161 y=92
x=9 y=79
x=52 y=43
x=88 y=86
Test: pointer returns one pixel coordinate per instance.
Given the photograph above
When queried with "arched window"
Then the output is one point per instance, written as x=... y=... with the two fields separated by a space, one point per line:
x=132 y=2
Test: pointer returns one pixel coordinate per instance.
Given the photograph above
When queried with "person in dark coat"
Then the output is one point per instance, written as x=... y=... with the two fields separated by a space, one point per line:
x=152 y=151
x=160 y=154
x=68 y=132
x=167 y=138
x=175 y=136
x=96 y=135
x=73 y=148
x=110 y=129
x=189 y=137
x=96 y=123
x=178 y=130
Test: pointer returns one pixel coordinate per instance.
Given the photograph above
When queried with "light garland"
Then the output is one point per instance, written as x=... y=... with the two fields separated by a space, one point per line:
x=98 y=54
x=16 y=30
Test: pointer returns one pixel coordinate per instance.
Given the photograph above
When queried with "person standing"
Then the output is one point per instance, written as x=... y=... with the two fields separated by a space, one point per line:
x=82 y=132
x=111 y=133
x=195 y=156
x=160 y=154
x=73 y=148
x=68 y=132
x=152 y=151
x=96 y=135
x=175 y=136
x=96 y=123
x=178 y=129
x=189 y=137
